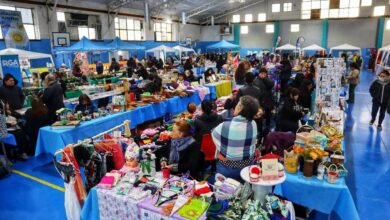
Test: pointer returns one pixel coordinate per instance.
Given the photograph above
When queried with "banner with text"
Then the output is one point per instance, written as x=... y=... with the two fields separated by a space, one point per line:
x=10 y=64
x=13 y=31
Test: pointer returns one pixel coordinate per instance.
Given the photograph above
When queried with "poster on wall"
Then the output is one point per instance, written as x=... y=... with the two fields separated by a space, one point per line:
x=13 y=31
x=10 y=64
x=81 y=59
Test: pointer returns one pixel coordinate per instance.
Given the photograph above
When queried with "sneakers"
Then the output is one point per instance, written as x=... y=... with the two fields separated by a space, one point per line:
x=371 y=122
x=379 y=127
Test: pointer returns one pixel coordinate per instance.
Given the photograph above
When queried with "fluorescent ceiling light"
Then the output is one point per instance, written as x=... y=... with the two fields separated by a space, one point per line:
x=262 y=17
x=366 y=2
x=248 y=18
x=244 y=29
x=236 y=18
x=379 y=10
x=275 y=8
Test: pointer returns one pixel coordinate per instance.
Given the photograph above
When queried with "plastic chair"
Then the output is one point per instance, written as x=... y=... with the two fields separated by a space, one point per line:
x=208 y=147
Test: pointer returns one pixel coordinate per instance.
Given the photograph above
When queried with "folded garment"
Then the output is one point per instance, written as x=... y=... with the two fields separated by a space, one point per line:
x=107 y=182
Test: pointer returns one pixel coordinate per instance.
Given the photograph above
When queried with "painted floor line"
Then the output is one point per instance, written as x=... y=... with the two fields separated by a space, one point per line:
x=59 y=188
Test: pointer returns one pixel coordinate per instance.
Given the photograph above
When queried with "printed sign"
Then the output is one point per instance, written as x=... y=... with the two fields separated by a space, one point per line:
x=10 y=64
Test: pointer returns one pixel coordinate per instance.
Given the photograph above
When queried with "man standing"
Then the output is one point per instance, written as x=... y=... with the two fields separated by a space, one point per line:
x=266 y=85
x=52 y=97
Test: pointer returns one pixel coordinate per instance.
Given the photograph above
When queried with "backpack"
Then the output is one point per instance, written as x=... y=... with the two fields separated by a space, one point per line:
x=5 y=167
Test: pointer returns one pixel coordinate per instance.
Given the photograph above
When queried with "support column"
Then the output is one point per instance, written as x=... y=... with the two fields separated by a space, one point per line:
x=380 y=32
x=324 y=38
x=236 y=33
x=276 y=32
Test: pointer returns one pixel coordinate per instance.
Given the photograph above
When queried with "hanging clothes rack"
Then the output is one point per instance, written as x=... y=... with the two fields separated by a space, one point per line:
x=127 y=133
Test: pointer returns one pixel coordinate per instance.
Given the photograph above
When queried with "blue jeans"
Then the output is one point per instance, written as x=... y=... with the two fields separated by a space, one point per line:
x=228 y=172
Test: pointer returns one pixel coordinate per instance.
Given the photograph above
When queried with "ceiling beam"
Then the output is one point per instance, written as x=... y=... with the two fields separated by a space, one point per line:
x=230 y=11
x=203 y=8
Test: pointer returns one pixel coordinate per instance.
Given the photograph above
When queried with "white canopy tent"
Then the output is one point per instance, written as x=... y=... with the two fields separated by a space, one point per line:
x=347 y=47
x=161 y=51
x=25 y=55
x=182 y=49
x=313 y=47
x=287 y=47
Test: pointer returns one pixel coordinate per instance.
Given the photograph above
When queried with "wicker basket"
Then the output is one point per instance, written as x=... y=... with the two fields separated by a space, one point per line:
x=333 y=174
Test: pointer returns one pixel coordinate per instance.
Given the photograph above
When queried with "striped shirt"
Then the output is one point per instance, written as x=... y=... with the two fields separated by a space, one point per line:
x=236 y=139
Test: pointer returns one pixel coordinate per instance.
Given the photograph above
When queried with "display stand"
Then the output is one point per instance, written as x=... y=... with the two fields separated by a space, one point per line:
x=262 y=187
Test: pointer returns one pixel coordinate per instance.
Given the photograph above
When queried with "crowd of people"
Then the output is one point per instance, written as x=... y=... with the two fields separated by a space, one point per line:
x=252 y=105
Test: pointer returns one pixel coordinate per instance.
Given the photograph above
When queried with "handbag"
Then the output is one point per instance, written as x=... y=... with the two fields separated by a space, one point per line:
x=3 y=121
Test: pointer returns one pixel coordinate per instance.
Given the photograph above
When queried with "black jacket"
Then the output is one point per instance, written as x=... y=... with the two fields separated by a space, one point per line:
x=380 y=92
x=53 y=98
x=114 y=66
x=289 y=116
x=13 y=95
x=205 y=123
x=230 y=104
x=33 y=124
x=286 y=70
x=191 y=159
x=304 y=99
x=142 y=72
x=253 y=91
x=266 y=85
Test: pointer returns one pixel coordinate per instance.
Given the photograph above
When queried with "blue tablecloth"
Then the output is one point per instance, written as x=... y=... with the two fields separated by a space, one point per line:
x=50 y=140
x=90 y=209
x=9 y=139
x=319 y=195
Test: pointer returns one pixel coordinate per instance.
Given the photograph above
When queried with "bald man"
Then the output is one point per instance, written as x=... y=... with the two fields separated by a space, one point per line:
x=53 y=96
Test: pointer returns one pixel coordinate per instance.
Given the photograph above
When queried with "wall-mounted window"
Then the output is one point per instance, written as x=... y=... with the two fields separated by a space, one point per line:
x=388 y=25
x=287 y=6
x=269 y=28
x=306 y=15
x=129 y=29
x=334 y=13
x=87 y=32
x=315 y=4
x=236 y=18
x=244 y=29
x=248 y=18
x=275 y=8
x=60 y=16
x=366 y=2
x=163 y=32
x=379 y=10
x=27 y=18
x=262 y=17
x=294 y=28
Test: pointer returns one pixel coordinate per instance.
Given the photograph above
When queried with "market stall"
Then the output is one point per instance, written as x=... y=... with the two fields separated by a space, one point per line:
x=50 y=140
x=313 y=47
x=287 y=47
x=161 y=51
x=345 y=47
x=223 y=45
x=121 y=47
x=219 y=89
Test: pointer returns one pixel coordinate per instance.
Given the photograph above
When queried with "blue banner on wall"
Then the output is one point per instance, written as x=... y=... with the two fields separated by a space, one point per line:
x=10 y=64
x=14 y=34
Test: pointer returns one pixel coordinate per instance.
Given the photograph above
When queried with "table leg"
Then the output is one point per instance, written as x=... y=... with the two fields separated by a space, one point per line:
x=4 y=151
x=261 y=191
